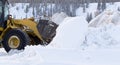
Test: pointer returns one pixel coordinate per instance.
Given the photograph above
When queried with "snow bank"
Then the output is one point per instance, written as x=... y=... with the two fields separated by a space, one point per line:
x=104 y=37
x=59 y=17
x=30 y=56
x=106 y=17
x=70 y=33
x=104 y=30
x=115 y=18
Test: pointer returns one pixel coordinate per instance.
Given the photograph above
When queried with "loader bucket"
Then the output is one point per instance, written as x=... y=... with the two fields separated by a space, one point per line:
x=47 y=29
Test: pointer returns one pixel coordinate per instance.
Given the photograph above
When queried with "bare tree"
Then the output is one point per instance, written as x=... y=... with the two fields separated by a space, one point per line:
x=26 y=10
x=103 y=5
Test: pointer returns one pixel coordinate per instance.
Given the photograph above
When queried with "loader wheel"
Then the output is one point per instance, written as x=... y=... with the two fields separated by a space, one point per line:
x=15 y=39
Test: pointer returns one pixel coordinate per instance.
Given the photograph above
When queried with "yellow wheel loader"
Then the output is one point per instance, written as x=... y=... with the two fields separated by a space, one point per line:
x=17 y=33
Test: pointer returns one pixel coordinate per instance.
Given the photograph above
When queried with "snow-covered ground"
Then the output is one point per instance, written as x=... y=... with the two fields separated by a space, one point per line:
x=38 y=55
x=76 y=43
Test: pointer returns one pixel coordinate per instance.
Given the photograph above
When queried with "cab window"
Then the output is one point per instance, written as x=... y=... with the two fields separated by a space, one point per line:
x=6 y=11
x=0 y=8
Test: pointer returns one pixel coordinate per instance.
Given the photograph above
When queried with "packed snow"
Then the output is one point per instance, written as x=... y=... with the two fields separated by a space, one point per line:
x=106 y=36
x=71 y=30
x=76 y=43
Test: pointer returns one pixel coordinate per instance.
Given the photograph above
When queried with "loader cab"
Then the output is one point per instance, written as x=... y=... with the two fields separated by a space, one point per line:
x=3 y=12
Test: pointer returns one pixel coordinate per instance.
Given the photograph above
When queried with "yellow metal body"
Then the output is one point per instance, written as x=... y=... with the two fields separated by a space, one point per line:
x=26 y=25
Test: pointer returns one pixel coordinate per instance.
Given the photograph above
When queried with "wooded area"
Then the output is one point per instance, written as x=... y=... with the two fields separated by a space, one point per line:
x=72 y=1
x=49 y=7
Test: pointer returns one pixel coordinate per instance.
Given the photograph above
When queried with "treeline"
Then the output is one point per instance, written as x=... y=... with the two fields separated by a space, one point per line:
x=49 y=7
x=40 y=1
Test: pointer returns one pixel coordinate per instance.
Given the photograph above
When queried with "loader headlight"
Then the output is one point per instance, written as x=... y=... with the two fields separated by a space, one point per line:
x=9 y=16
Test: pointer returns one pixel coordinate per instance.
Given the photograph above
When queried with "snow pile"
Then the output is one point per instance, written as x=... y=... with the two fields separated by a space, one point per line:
x=59 y=17
x=115 y=18
x=71 y=33
x=30 y=56
x=37 y=55
x=104 y=29
x=106 y=17
x=106 y=36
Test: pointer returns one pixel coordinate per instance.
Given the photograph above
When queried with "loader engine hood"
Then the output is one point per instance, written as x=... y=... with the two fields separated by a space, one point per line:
x=27 y=24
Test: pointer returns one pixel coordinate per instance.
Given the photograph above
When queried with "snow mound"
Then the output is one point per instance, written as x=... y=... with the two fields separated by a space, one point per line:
x=30 y=56
x=115 y=18
x=103 y=37
x=59 y=17
x=70 y=33
x=106 y=17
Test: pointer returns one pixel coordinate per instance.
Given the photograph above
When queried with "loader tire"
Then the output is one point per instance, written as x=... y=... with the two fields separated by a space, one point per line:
x=15 y=39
